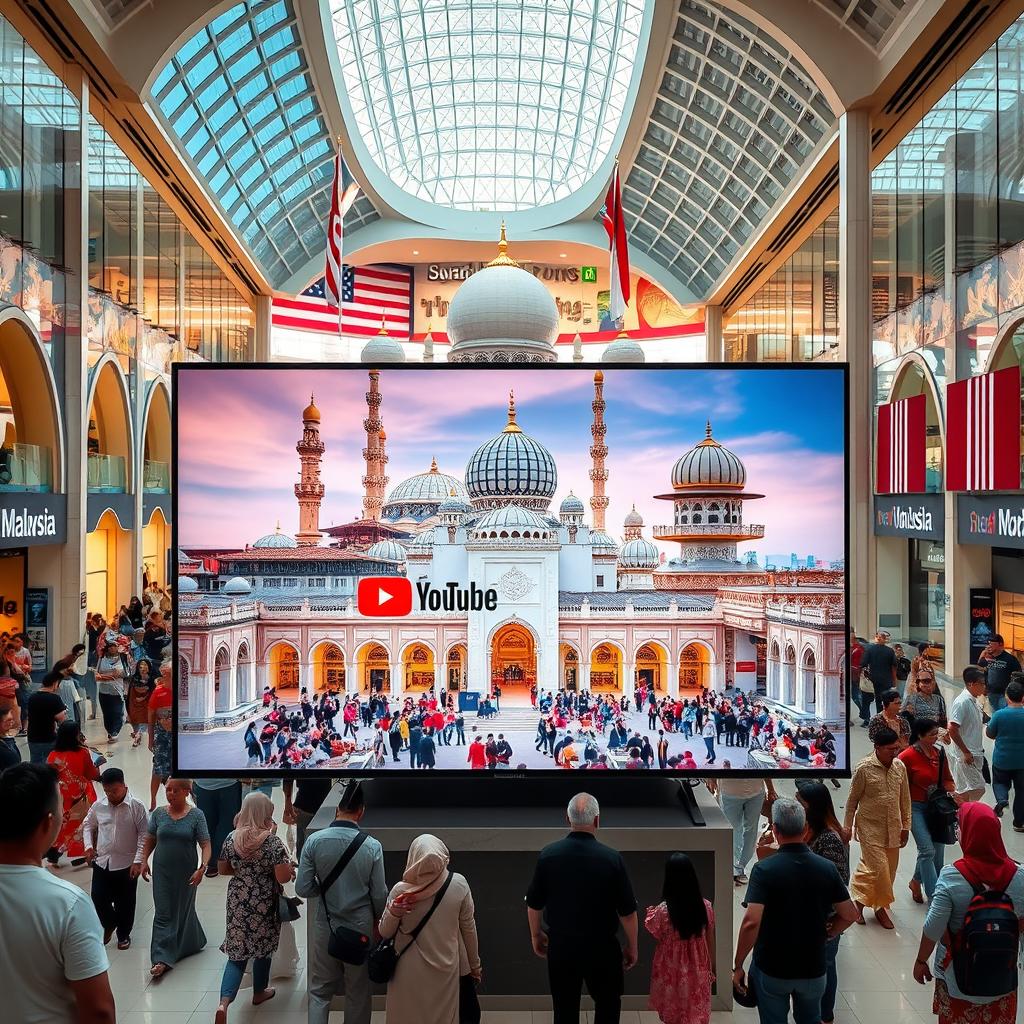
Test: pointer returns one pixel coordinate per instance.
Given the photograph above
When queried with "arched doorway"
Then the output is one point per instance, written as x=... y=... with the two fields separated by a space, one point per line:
x=774 y=681
x=374 y=668
x=222 y=680
x=912 y=379
x=418 y=668
x=606 y=669
x=30 y=428
x=108 y=566
x=513 y=661
x=694 y=667
x=110 y=432
x=457 y=668
x=329 y=668
x=789 y=677
x=807 y=674
x=156 y=442
x=651 y=667
x=569 y=660
x=283 y=662
x=156 y=542
x=243 y=674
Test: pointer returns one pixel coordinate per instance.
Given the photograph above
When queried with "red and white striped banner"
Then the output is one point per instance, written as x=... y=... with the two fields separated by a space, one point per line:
x=983 y=432
x=900 y=450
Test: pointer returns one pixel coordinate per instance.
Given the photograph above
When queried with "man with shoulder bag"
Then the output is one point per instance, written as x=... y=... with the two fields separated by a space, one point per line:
x=341 y=873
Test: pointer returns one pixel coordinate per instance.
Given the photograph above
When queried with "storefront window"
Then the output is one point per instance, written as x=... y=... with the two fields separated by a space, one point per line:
x=926 y=599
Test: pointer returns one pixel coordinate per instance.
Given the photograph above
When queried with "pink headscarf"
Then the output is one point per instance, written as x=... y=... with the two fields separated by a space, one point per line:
x=253 y=824
x=425 y=869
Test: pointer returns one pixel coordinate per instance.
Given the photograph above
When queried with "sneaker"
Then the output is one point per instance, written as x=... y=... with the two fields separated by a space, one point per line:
x=1000 y=807
x=740 y=879
x=1018 y=828
x=211 y=871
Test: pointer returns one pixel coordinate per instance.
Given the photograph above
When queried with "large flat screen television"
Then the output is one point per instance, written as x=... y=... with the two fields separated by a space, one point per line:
x=510 y=569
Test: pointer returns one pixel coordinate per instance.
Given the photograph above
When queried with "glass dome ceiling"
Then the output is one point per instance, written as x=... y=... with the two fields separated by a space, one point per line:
x=496 y=105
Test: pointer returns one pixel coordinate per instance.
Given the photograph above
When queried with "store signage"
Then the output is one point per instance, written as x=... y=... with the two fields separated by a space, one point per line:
x=37 y=626
x=588 y=275
x=982 y=621
x=543 y=272
x=32 y=519
x=746 y=666
x=910 y=515
x=991 y=520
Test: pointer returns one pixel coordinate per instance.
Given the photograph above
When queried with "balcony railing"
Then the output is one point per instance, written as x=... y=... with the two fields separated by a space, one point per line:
x=25 y=467
x=710 y=530
x=156 y=477
x=107 y=474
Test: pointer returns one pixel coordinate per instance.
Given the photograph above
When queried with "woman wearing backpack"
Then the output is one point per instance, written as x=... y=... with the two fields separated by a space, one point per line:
x=975 y=981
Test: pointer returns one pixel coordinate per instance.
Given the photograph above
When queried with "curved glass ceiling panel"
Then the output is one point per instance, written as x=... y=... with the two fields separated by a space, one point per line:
x=239 y=97
x=488 y=104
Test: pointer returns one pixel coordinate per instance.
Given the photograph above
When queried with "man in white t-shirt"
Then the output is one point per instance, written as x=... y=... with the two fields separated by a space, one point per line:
x=967 y=747
x=53 y=967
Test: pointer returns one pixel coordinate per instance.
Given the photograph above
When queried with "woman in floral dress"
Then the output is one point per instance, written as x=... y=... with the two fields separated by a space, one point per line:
x=76 y=773
x=258 y=864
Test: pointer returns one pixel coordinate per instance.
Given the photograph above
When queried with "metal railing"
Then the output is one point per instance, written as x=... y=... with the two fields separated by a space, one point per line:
x=710 y=530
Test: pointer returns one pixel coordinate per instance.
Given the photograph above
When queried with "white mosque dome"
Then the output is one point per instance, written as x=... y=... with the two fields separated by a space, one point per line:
x=390 y=550
x=512 y=522
x=602 y=544
x=502 y=314
x=187 y=585
x=633 y=518
x=639 y=554
x=382 y=348
x=453 y=503
x=237 y=585
x=623 y=350
x=430 y=488
x=571 y=505
x=277 y=539
x=421 y=544
x=708 y=464
x=512 y=465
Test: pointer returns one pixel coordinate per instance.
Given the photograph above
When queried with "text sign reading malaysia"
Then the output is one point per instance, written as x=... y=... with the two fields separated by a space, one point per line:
x=910 y=515
x=29 y=519
x=995 y=521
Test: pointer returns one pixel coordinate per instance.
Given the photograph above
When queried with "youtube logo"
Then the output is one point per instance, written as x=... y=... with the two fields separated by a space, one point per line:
x=379 y=596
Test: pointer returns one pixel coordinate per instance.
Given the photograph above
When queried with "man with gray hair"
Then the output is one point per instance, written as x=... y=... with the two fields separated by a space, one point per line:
x=792 y=885
x=581 y=892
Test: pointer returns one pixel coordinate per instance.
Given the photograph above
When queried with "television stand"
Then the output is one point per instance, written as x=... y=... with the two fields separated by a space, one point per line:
x=689 y=802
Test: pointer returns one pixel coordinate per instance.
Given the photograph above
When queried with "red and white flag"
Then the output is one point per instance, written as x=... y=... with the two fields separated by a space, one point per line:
x=983 y=432
x=343 y=194
x=900 y=448
x=615 y=224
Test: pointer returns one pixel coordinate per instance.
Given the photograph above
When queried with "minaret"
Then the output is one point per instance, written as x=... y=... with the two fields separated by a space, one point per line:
x=376 y=458
x=428 y=345
x=633 y=527
x=577 y=348
x=309 y=490
x=598 y=452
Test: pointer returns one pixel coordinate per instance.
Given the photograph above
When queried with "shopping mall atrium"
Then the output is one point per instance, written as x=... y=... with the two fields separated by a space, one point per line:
x=605 y=182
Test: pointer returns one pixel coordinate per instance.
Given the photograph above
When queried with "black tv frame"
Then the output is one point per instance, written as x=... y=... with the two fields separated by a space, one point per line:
x=687 y=779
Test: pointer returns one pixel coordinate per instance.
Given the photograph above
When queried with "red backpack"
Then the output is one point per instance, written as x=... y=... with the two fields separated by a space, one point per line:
x=986 y=948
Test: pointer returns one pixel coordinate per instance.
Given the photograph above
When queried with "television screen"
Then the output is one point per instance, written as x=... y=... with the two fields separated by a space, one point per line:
x=517 y=569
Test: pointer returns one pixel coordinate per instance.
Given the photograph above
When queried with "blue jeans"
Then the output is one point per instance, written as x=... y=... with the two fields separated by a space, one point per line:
x=828 y=998
x=219 y=807
x=930 y=854
x=997 y=701
x=234 y=971
x=742 y=814
x=112 y=706
x=38 y=752
x=710 y=744
x=774 y=995
x=1002 y=779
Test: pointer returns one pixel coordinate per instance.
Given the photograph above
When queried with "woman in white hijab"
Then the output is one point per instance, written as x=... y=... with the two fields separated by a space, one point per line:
x=430 y=967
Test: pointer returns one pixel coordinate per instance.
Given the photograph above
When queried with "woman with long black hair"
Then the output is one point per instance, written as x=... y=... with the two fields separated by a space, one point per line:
x=684 y=962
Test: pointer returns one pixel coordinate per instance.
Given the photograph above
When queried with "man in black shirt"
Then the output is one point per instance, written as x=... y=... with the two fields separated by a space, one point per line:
x=796 y=902
x=879 y=663
x=45 y=711
x=581 y=891
x=998 y=663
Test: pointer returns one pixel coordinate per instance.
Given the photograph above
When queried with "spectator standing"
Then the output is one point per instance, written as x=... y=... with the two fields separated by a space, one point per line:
x=355 y=899
x=115 y=832
x=878 y=811
x=1007 y=729
x=140 y=688
x=890 y=718
x=309 y=795
x=432 y=965
x=9 y=752
x=76 y=773
x=903 y=666
x=967 y=752
x=581 y=892
x=111 y=675
x=999 y=665
x=878 y=674
x=53 y=958
x=708 y=731
x=46 y=711
x=742 y=801
x=789 y=957
x=923 y=699
x=220 y=800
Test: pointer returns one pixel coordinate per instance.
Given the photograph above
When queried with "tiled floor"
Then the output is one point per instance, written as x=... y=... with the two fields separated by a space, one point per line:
x=874 y=965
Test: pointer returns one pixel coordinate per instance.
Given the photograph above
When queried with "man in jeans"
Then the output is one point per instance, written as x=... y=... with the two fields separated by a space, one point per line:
x=355 y=900
x=742 y=800
x=219 y=800
x=1007 y=729
x=111 y=670
x=796 y=903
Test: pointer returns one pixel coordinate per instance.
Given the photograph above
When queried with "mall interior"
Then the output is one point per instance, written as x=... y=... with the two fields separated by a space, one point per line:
x=805 y=181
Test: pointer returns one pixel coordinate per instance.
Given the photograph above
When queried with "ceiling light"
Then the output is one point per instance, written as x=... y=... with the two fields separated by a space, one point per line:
x=563 y=254
x=415 y=252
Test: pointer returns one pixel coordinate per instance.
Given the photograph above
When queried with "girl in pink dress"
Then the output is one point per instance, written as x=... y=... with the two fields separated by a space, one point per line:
x=684 y=926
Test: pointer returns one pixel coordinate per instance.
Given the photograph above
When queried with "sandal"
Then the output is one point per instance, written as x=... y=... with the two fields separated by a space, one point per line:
x=159 y=970
x=915 y=890
x=262 y=997
x=883 y=918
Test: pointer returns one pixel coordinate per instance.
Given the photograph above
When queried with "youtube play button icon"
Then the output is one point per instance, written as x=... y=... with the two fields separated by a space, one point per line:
x=379 y=596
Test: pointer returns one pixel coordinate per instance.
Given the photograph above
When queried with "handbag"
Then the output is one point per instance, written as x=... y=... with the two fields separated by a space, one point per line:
x=384 y=957
x=940 y=810
x=469 y=1004
x=867 y=684
x=344 y=943
x=288 y=907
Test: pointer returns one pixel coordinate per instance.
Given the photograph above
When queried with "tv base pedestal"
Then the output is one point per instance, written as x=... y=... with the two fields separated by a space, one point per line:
x=494 y=830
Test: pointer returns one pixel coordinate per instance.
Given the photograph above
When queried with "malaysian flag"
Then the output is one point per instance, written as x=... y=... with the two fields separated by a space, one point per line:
x=900 y=449
x=983 y=432
x=343 y=194
x=366 y=294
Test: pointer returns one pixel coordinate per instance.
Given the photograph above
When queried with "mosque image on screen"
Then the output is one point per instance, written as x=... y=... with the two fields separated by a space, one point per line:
x=536 y=639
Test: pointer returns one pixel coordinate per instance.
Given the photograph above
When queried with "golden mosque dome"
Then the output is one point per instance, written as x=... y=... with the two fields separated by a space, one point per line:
x=311 y=413
x=709 y=464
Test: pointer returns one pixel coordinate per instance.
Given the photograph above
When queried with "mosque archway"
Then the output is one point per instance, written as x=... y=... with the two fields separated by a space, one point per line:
x=418 y=668
x=652 y=667
x=694 y=667
x=808 y=672
x=328 y=667
x=373 y=669
x=456 y=665
x=156 y=441
x=283 y=662
x=222 y=680
x=109 y=430
x=606 y=669
x=789 y=676
x=569 y=662
x=243 y=675
x=109 y=571
x=513 y=660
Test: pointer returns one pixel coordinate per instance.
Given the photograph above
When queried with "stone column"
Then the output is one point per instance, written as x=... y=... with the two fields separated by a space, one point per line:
x=855 y=348
x=717 y=674
x=231 y=683
x=306 y=675
x=262 y=331
x=262 y=675
x=673 y=679
x=713 y=339
x=352 y=679
x=397 y=679
x=201 y=705
x=584 y=680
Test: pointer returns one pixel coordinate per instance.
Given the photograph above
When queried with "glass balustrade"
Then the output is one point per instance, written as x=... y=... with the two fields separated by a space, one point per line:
x=25 y=467
x=156 y=477
x=107 y=474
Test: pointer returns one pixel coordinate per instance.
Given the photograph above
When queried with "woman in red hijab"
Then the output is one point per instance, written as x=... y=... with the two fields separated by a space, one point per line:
x=984 y=864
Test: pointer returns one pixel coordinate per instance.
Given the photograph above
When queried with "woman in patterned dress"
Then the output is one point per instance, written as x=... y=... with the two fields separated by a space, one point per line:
x=76 y=772
x=258 y=864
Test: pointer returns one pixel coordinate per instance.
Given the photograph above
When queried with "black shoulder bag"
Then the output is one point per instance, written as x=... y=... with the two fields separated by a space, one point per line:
x=383 y=959
x=345 y=944
x=940 y=810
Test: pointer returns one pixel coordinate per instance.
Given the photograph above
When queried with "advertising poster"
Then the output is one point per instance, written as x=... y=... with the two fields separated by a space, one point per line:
x=37 y=626
x=983 y=617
